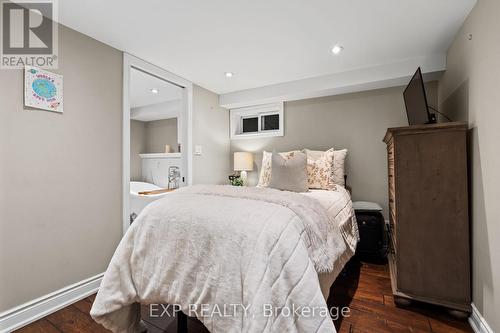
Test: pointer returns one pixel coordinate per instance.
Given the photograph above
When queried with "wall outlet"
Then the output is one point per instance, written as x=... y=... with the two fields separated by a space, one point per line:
x=198 y=150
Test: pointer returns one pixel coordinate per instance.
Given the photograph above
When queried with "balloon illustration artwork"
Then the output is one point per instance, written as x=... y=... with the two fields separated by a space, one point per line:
x=43 y=90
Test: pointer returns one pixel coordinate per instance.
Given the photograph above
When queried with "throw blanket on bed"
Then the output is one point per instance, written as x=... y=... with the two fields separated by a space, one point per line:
x=254 y=252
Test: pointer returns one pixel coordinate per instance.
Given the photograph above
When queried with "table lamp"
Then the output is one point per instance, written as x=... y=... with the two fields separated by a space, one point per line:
x=243 y=162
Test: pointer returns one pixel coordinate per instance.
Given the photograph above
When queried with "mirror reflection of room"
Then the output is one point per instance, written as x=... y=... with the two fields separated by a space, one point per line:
x=155 y=152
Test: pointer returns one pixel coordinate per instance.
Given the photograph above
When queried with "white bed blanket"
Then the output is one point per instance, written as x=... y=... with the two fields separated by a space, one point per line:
x=248 y=255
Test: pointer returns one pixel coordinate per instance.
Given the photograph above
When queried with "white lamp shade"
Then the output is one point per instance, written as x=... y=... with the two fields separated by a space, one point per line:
x=243 y=161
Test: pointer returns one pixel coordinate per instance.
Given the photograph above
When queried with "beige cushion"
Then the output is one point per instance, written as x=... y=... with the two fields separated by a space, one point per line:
x=289 y=174
x=320 y=169
x=265 y=167
x=338 y=166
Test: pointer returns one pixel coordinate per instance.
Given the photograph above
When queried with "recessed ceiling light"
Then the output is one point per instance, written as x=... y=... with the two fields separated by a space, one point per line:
x=228 y=74
x=337 y=48
x=154 y=91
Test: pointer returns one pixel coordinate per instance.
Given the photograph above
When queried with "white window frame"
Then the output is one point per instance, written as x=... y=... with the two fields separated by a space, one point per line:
x=256 y=111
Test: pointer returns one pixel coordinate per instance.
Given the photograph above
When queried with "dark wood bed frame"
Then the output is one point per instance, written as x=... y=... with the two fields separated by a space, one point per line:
x=182 y=325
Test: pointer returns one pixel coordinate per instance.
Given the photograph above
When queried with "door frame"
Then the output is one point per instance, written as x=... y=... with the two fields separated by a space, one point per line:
x=184 y=124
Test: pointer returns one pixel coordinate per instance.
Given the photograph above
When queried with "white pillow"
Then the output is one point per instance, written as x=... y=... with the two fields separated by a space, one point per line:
x=338 y=166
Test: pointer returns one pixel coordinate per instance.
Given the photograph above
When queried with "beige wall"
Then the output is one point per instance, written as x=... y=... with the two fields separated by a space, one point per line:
x=150 y=137
x=137 y=146
x=211 y=131
x=470 y=90
x=355 y=121
x=60 y=176
x=160 y=133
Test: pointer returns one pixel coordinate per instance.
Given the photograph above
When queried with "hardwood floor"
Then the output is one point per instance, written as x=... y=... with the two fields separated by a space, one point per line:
x=363 y=287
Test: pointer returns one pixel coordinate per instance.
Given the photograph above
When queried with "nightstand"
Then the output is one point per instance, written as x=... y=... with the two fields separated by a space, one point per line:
x=372 y=231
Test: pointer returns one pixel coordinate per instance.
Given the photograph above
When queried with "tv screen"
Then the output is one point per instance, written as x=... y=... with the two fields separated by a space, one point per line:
x=417 y=109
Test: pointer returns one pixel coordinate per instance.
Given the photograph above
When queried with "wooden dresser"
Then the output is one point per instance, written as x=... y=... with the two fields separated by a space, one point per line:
x=429 y=224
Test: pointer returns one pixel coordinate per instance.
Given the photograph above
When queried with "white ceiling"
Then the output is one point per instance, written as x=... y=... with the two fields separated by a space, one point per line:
x=165 y=110
x=268 y=42
x=140 y=89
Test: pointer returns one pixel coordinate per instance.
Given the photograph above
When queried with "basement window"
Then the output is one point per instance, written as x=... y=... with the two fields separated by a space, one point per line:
x=257 y=121
x=249 y=124
x=270 y=122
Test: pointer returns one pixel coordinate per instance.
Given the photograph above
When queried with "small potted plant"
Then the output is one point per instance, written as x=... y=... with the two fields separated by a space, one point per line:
x=235 y=180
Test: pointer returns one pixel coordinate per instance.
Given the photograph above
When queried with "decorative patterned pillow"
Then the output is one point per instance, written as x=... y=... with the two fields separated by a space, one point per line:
x=338 y=166
x=265 y=167
x=320 y=169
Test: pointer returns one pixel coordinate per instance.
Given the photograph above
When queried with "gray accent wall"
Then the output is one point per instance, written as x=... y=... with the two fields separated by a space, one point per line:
x=356 y=121
x=470 y=91
x=60 y=175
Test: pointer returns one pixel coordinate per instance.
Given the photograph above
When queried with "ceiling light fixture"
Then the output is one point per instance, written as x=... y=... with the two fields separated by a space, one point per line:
x=337 y=48
x=228 y=74
x=155 y=91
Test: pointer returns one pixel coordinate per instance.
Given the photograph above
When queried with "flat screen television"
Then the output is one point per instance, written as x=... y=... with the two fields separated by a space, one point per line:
x=415 y=98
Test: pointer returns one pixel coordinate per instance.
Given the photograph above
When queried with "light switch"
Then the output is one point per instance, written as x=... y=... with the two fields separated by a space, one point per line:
x=198 y=150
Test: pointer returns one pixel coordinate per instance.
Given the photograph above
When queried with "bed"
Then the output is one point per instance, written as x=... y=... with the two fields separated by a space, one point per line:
x=251 y=256
x=339 y=207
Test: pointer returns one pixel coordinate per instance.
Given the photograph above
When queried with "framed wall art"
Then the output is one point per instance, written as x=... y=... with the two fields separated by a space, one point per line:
x=43 y=90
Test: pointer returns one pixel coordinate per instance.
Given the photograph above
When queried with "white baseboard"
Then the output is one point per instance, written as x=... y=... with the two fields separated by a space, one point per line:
x=29 y=312
x=478 y=323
